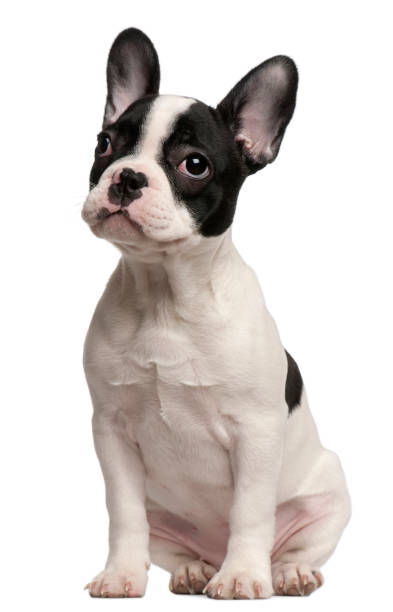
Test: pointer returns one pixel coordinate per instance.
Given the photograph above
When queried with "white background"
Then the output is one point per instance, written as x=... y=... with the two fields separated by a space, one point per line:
x=316 y=225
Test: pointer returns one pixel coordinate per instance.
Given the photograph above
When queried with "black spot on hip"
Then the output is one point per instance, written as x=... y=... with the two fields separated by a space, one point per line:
x=293 y=385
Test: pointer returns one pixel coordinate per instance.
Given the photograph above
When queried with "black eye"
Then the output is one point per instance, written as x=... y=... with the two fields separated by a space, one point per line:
x=104 y=145
x=195 y=166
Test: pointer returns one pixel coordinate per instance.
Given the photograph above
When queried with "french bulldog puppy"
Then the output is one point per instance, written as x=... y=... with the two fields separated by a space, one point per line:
x=212 y=462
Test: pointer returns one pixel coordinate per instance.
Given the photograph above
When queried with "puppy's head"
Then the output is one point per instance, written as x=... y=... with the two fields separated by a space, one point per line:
x=168 y=169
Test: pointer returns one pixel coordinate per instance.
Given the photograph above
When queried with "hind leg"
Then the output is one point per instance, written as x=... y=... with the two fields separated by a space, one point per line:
x=189 y=574
x=308 y=528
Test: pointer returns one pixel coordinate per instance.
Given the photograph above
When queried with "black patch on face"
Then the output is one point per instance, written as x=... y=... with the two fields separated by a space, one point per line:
x=293 y=385
x=211 y=200
x=124 y=135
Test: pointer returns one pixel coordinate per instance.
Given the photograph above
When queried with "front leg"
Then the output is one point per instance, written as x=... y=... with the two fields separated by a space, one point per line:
x=125 y=573
x=256 y=442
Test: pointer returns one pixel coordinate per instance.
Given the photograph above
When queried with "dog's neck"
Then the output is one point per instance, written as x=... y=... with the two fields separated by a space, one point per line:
x=186 y=280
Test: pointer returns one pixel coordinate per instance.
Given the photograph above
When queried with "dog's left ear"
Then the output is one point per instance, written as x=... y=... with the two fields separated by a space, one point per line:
x=259 y=108
x=132 y=72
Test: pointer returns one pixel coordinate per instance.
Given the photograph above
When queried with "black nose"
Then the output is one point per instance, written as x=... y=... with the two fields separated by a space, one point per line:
x=133 y=180
x=129 y=187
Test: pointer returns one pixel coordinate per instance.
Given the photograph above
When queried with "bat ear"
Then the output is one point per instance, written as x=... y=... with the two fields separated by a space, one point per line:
x=259 y=108
x=133 y=71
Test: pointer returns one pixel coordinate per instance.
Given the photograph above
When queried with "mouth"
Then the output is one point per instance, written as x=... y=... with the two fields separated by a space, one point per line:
x=104 y=214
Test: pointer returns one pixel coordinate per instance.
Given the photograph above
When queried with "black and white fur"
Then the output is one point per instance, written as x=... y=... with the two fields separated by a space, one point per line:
x=211 y=459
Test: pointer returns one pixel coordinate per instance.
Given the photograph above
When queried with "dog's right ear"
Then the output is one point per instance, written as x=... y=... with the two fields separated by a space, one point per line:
x=133 y=71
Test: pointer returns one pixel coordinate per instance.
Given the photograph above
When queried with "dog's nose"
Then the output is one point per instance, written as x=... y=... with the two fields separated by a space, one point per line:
x=127 y=186
x=132 y=180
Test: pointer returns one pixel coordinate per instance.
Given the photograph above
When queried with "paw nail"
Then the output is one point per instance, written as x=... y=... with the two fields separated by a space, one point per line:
x=258 y=589
x=292 y=591
x=220 y=589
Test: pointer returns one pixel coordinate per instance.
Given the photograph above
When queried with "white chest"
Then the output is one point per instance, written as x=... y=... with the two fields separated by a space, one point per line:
x=171 y=371
x=169 y=384
x=174 y=353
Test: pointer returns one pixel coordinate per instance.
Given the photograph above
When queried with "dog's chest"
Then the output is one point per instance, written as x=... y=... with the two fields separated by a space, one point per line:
x=157 y=355
x=180 y=434
x=171 y=385
x=162 y=349
x=170 y=378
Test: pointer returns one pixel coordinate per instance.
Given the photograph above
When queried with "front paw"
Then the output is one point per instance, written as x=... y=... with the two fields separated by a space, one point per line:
x=239 y=584
x=119 y=582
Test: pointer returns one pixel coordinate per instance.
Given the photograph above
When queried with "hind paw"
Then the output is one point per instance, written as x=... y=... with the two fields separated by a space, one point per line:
x=295 y=579
x=191 y=578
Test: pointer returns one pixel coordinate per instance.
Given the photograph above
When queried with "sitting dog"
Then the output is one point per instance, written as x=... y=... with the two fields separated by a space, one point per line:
x=212 y=462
